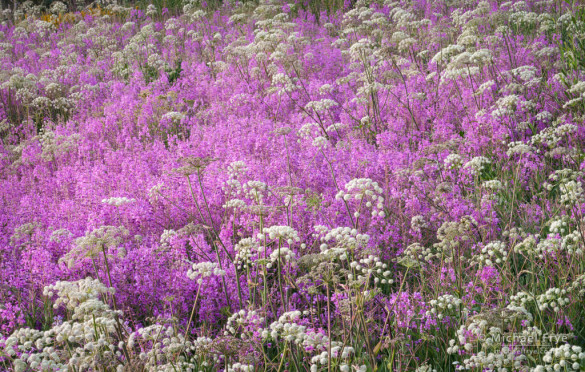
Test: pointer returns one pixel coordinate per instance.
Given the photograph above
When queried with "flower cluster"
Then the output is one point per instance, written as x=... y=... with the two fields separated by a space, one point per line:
x=444 y=305
x=554 y=298
x=201 y=270
x=477 y=164
x=565 y=357
x=493 y=254
x=244 y=323
x=340 y=242
x=370 y=269
x=118 y=201
x=367 y=193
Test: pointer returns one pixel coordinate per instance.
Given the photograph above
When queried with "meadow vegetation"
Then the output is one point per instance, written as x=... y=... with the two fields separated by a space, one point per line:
x=313 y=186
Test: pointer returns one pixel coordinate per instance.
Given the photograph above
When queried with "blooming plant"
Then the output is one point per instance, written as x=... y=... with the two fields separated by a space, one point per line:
x=273 y=185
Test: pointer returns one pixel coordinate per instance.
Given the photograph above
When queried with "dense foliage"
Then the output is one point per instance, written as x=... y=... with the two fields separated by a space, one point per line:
x=385 y=185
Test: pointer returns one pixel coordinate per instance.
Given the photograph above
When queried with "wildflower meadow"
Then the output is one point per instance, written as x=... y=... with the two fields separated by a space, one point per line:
x=290 y=186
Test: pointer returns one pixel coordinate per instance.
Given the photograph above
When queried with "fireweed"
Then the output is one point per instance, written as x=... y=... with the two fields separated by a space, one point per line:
x=395 y=186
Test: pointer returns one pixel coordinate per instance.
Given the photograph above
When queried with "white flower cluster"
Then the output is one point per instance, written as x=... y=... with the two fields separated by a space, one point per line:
x=202 y=343
x=570 y=242
x=544 y=116
x=317 y=340
x=95 y=243
x=362 y=51
x=202 y=270
x=52 y=90
x=335 y=127
x=506 y=106
x=22 y=231
x=515 y=234
x=505 y=359
x=82 y=343
x=417 y=223
x=237 y=168
x=367 y=192
x=562 y=176
x=156 y=62
x=452 y=73
x=58 y=7
x=283 y=233
x=166 y=351
x=166 y=237
x=425 y=368
x=340 y=242
x=453 y=161
x=315 y=133
x=59 y=234
x=72 y=294
x=54 y=144
x=521 y=299
x=577 y=286
x=553 y=298
x=494 y=253
x=288 y=329
x=171 y=24
x=370 y=268
x=233 y=187
x=307 y=130
x=477 y=164
x=254 y=190
x=56 y=349
x=321 y=106
x=527 y=246
x=514 y=313
x=128 y=26
x=452 y=234
x=487 y=86
x=246 y=250
x=285 y=325
x=118 y=201
x=578 y=90
x=173 y=116
x=444 y=305
x=572 y=192
x=243 y=323
x=481 y=334
x=519 y=148
x=337 y=352
x=447 y=53
x=151 y=10
x=415 y=254
x=192 y=10
x=564 y=357
x=281 y=254
x=551 y=136
x=237 y=204
x=239 y=367
x=320 y=142
x=155 y=191
x=492 y=185
x=527 y=74
x=285 y=84
x=550 y=245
